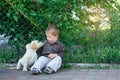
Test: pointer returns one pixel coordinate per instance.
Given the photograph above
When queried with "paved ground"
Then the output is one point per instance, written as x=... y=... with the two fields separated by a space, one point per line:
x=66 y=74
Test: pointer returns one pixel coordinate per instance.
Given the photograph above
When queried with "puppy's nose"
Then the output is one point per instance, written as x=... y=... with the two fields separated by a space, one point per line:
x=41 y=43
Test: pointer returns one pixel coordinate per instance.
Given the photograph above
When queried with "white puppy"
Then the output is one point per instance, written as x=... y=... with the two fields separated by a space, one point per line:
x=30 y=56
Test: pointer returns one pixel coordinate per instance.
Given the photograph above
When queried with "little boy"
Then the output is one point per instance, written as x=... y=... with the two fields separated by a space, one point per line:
x=52 y=52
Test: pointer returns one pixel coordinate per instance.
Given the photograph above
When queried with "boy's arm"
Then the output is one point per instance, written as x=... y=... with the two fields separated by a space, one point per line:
x=62 y=50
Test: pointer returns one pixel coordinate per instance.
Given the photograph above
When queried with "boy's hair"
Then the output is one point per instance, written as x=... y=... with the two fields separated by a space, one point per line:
x=53 y=28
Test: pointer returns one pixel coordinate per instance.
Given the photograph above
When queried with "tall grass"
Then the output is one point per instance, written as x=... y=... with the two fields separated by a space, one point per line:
x=99 y=55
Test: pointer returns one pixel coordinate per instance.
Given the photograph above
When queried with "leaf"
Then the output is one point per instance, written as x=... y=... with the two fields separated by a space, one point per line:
x=39 y=1
x=8 y=14
x=12 y=29
x=15 y=18
x=32 y=13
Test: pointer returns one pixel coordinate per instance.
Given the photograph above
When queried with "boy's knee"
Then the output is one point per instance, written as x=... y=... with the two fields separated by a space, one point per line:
x=58 y=57
x=42 y=57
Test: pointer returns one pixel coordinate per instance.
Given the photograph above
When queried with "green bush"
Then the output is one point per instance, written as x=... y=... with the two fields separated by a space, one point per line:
x=106 y=55
x=9 y=56
x=99 y=55
x=26 y=20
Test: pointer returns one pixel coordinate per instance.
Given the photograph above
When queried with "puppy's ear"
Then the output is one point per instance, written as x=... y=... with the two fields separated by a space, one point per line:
x=33 y=46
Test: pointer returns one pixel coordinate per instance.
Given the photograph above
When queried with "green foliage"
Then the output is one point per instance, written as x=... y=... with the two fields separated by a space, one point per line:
x=100 y=55
x=11 y=55
x=26 y=20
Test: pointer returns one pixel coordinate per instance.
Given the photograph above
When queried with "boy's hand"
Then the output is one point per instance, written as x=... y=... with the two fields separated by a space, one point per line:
x=52 y=55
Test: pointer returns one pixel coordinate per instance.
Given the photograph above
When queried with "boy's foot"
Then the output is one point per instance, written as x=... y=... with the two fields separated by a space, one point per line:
x=48 y=70
x=35 y=71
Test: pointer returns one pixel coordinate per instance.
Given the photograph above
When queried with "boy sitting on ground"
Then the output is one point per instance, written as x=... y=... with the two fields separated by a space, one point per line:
x=52 y=53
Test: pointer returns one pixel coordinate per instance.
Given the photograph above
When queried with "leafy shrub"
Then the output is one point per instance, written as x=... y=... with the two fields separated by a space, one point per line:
x=24 y=23
x=99 y=55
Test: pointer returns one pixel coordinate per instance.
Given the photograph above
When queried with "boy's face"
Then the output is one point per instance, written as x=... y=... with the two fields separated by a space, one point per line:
x=51 y=38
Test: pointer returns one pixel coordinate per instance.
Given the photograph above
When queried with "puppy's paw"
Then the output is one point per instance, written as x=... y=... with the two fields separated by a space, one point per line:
x=17 y=68
x=25 y=70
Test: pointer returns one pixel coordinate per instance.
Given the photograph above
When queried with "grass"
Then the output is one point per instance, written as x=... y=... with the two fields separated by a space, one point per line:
x=92 y=55
x=100 y=55
x=10 y=55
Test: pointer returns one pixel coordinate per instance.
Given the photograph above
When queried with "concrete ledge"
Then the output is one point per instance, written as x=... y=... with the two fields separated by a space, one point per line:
x=92 y=65
x=8 y=65
x=73 y=65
